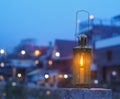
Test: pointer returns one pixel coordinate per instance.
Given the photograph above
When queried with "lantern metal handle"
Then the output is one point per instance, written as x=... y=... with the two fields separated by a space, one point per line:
x=79 y=11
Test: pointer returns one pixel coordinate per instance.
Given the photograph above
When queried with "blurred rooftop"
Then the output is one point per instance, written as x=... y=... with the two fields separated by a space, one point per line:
x=89 y=24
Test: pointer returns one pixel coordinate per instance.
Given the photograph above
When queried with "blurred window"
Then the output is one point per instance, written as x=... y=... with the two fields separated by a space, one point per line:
x=109 y=55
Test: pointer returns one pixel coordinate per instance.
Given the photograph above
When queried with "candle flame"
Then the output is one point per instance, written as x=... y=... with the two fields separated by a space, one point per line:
x=81 y=61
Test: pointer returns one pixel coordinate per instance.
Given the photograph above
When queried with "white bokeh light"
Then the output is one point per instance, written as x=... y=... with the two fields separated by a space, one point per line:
x=19 y=75
x=2 y=51
x=65 y=76
x=91 y=17
x=13 y=83
x=2 y=64
x=46 y=76
x=96 y=81
x=23 y=52
x=114 y=73
x=57 y=54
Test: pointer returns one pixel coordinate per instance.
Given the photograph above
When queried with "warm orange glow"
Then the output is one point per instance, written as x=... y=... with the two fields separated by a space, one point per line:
x=50 y=62
x=37 y=52
x=82 y=75
x=60 y=76
x=81 y=61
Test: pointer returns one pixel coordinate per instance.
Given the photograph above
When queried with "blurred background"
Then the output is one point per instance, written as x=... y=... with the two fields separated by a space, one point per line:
x=37 y=40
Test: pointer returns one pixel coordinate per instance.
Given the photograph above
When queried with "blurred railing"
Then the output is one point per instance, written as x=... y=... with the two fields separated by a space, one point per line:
x=83 y=26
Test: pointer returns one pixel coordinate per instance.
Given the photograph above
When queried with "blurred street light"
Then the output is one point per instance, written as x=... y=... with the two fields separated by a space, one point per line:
x=13 y=83
x=65 y=76
x=91 y=17
x=114 y=73
x=23 y=52
x=2 y=51
x=50 y=62
x=19 y=75
x=57 y=54
x=36 y=62
x=1 y=77
x=37 y=52
x=46 y=76
x=2 y=64
x=96 y=81
x=60 y=76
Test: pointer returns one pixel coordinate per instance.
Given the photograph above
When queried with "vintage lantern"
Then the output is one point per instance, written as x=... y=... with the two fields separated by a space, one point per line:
x=81 y=63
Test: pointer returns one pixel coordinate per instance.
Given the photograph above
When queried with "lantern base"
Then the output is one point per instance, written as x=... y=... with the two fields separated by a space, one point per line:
x=82 y=86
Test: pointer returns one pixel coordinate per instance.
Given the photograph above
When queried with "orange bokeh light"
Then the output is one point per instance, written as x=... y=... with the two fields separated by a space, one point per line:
x=37 y=52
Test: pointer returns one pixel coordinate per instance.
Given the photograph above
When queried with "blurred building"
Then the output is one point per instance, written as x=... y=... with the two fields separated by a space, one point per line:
x=62 y=55
x=62 y=61
x=57 y=63
x=25 y=58
x=107 y=52
x=103 y=37
x=5 y=69
x=43 y=75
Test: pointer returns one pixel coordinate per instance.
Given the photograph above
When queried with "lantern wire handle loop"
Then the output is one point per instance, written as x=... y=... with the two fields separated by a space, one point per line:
x=79 y=11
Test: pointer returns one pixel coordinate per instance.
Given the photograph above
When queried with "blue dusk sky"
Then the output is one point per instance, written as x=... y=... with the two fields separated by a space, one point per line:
x=47 y=20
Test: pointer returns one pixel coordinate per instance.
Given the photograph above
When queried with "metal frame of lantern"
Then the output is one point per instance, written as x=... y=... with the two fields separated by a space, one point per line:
x=82 y=56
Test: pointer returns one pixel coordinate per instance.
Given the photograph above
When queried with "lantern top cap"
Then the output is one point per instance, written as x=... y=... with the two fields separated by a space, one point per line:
x=82 y=36
x=82 y=40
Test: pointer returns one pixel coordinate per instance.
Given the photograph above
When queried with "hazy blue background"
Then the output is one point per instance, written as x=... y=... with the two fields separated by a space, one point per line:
x=46 y=20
